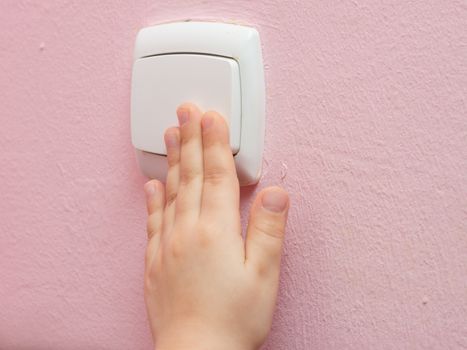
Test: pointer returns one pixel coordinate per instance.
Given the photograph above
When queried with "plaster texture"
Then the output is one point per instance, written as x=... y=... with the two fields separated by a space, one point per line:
x=366 y=127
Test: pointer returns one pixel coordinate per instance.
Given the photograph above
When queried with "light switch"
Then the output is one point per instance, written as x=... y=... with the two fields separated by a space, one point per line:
x=216 y=66
x=163 y=82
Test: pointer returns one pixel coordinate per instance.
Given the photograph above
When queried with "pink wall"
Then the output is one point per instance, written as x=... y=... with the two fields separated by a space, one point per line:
x=366 y=127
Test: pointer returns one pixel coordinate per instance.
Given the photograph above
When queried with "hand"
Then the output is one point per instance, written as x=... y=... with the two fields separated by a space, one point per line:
x=205 y=288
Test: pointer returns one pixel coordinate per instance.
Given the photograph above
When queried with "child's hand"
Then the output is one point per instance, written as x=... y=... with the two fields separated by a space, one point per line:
x=205 y=288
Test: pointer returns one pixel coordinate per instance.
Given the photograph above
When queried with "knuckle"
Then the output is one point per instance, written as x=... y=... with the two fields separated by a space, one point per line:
x=171 y=197
x=269 y=228
x=176 y=249
x=267 y=267
x=152 y=233
x=264 y=269
x=189 y=174
x=147 y=259
x=261 y=270
x=172 y=159
x=188 y=136
x=151 y=230
x=150 y=278
x=205 y=239
x=153 y=266
x=148 y=282
x=204 y=235
x=216 y=175
x=153 y=224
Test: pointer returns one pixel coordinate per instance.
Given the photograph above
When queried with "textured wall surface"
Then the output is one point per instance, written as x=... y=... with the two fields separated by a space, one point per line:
x=366 y=127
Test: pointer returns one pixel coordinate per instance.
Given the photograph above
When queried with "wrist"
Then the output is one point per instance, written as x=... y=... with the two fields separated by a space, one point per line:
x=200 y=338
x=186 y=342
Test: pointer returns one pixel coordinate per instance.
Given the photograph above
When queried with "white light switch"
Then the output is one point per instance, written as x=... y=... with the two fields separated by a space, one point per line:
x=216 y=66
x=163 y=82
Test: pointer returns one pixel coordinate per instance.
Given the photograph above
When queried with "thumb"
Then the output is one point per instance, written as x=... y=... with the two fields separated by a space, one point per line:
x=265 y=233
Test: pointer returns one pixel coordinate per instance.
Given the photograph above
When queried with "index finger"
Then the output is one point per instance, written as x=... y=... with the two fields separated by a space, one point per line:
x=220 y=188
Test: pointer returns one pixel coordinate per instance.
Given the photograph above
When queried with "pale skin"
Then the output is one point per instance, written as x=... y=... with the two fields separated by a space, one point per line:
x=205 y=287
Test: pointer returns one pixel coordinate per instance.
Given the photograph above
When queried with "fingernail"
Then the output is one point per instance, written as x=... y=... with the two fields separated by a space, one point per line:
x=206 y=122
x=171 y=139
x=149 y=189
x=183 y=115
x=275 y=201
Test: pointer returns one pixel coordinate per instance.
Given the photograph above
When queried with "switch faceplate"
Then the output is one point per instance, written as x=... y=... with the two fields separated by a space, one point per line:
x=216 y=66
x=164 y=82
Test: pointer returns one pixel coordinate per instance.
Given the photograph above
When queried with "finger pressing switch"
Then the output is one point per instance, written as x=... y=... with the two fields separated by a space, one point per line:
x=216 y=66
